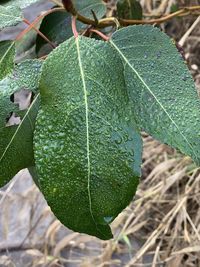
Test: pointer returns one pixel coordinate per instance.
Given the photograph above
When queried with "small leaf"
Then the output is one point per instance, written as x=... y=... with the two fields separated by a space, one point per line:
x=11 y=11
x=164 y=99
x=87 y=149
x=7 y=55
x=174 y=8
x=129 y=9
x=57 y=26
x=85 y=7
x=16 y=148
x=9 y=16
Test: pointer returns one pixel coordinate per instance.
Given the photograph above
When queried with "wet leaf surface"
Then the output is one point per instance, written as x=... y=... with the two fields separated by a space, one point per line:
x=87 y=148
x=9 y=16
x=164 y=98
x=16 y=146
x=7 y=54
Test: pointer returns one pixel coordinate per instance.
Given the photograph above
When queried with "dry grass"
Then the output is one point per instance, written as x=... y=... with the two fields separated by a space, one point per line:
x=160 y=228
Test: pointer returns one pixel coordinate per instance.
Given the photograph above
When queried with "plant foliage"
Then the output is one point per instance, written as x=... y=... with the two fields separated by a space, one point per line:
x=90 y=100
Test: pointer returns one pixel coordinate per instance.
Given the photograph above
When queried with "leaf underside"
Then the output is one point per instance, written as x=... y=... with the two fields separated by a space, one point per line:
x=164 y=99
x=16 y=150
x=87 y=150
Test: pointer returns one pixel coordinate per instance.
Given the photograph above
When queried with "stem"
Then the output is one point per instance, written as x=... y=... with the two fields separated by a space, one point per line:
x=74 y=30
x=95 y=17
x=69 y=6
x=124 y=22
x=43 y=57
x=39 y=32
x=182 y=12
x=103 y=36
x=112 y=21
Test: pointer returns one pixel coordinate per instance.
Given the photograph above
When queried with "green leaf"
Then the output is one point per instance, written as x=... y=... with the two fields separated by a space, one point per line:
x=87 y=150
x=85 y=7
x=25 y=46
x=164 y=99
x=129 y=9
x=174 y=8
x=57 y=26
x=7 y=55
x=9 y=16
x=11 y=11
x=18 y=3
x=16 y=146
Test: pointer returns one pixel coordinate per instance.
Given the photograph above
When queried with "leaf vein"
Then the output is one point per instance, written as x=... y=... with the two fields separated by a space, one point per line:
x=87 y=125
x=154 y=96
x=18 y=128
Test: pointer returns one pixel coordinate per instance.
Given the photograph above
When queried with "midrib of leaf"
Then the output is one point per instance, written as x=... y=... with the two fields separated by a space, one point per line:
x=150 y=91
x=87 y=124
x=7 y=51
x=18 y=128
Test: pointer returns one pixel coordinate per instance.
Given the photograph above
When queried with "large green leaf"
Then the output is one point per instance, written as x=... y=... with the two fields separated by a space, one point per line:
x=7 y=55
x=16 y=146
x=57 y=26
x=161 y=88
x=87 y=150
x=9 y=16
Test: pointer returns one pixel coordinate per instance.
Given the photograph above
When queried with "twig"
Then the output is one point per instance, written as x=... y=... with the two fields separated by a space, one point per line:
x=16 y=247
x=124 y=22
x=74 y=30
x=69 y=6
x=102 y=23
x=111 y=21
x=43 y=57
x=182 y=12
x=189 y=31
x=5 y=194
x=39 y=32
x=95 y=17
x=103 y=36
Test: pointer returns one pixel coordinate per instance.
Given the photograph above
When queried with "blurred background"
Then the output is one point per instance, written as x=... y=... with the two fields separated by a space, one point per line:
x=160 y=228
